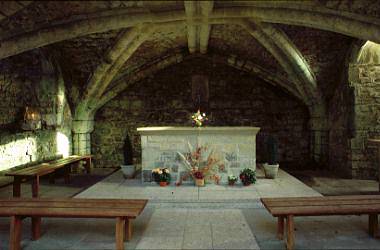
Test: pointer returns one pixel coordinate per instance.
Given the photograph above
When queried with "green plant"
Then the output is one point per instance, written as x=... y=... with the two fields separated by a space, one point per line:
x=232 y=178
x=247 y=176
x=161 y=175
x=272 y=150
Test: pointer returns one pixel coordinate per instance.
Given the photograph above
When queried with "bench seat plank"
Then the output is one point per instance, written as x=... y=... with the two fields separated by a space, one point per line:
x=73 y=212
x=326 y=210
x=321 y=203
x=31 y=171
x=43 y=168
x=101 y=208
x=67 y=202
x=321 y=198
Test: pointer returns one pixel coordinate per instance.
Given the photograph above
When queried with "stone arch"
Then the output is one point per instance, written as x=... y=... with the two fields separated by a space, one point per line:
x=271 y=78
x=314 y=16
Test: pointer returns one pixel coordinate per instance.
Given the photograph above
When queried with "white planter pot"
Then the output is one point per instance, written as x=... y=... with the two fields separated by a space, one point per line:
x=128 y=171
x=271 y=170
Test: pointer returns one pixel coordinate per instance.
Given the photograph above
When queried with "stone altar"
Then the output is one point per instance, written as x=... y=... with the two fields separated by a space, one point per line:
x=234 y=147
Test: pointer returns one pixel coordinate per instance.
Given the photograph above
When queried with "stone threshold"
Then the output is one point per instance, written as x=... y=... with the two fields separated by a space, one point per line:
x=216 y=204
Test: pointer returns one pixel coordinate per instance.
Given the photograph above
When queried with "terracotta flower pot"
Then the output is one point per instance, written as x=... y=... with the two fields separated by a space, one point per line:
x=163 y=183
x=246 y=184
x=231 y=183
x=199 y=182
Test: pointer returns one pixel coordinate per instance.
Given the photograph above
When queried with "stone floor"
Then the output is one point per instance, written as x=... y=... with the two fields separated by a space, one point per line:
x=187 y=217
x=331 y=185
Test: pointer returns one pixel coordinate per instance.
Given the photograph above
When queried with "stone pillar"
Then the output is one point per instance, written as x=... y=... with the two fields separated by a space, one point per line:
x=82 y=136
x=319 y=134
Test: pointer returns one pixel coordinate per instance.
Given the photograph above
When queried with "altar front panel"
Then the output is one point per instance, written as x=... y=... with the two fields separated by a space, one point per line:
x=233 y=147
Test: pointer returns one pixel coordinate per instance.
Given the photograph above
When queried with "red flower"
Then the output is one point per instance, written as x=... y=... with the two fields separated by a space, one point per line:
x=198 y=175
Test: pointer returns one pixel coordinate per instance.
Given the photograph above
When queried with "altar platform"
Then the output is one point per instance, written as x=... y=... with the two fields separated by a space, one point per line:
x=116 y=186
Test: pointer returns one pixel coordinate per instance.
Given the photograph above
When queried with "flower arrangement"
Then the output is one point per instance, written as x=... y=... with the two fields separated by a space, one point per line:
x=198 y=175
x=247 y=176
x=199 y=118
x=161 y=175
x=200 y=162
x=232 y=179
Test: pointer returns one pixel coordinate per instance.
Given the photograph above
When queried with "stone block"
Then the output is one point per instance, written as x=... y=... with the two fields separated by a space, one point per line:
x=174 y=168
x=159 y=164
x=147 y=175
x=230 y=156
x=155 y=138
x=246 y=149
x=234 y=164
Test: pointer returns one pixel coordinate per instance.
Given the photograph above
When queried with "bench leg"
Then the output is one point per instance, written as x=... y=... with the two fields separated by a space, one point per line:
x=15 y=233
x=36 y=221
x=373 y=225
x=66 y=174
x=120 y=233
x=280 y=227
x=128 y=229
x=17 y=186
x=289 y=232
x=36 y=186
x=36 y=228
x=87 y=165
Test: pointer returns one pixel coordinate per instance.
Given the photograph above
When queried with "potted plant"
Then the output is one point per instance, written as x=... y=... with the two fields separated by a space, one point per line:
x=247 y=176
x=161 y=176
x=199 y=179
x=232 y=179
x=128 y=168
x=271 y=166
x=201 y=164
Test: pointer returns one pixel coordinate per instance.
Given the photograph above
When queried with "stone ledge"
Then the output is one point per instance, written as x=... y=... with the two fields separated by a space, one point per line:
x=171 y=130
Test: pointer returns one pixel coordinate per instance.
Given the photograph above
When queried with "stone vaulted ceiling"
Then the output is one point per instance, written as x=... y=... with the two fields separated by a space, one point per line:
x=299 y=46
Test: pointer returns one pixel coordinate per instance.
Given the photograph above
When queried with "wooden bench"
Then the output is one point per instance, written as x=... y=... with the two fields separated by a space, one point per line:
x=35 y=172
x=287 y=208
x=121 y=209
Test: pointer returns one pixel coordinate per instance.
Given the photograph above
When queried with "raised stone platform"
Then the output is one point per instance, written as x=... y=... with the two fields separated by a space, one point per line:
x=234 y=148
x=188 y=195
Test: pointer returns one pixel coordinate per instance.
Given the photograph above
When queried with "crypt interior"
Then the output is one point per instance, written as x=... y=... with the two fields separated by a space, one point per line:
x=79 y=78
x=305 y=72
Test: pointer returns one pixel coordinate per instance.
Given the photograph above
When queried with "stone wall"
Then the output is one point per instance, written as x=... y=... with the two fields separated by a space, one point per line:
x=236 y=99
x=365 y=78
x=30 y=79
